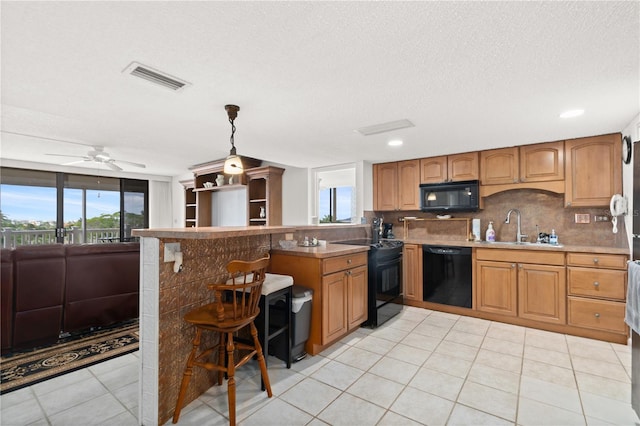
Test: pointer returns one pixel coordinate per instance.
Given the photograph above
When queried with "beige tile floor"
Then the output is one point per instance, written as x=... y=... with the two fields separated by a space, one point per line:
x=422 y=367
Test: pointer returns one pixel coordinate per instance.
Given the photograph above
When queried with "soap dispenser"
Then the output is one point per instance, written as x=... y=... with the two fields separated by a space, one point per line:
x=553 y=238
x=491 y=233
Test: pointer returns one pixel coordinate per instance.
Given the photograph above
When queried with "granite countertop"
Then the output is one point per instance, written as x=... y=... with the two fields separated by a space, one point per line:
x=514 y=246
x=211 y=232
x=330 y=250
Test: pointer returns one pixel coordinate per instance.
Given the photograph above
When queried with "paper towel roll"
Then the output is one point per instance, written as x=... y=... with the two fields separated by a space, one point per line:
x=475 y=229
x=177 y=265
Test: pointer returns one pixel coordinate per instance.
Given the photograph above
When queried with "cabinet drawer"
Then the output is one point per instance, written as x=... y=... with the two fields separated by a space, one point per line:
x=614 y=261
x=340 y=263
x=597 y=314
x=605 y=283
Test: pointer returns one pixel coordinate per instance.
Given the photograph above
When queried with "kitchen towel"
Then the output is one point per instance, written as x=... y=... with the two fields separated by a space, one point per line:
x=632 y=315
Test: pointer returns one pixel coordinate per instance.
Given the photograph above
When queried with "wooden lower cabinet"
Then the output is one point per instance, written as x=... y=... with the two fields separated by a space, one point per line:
x=542 y=293
x=345 y=302
x=597 y=314
x=334 y=307
x=497 y=287
x=515 y=288
x=597 y=285
x=412 y=272
x=339 y=284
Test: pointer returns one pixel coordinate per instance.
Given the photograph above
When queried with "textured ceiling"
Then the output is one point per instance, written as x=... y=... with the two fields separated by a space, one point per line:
x=469 y=75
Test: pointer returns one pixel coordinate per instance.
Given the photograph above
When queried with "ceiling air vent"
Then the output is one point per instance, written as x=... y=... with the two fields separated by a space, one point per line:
x=156 y=77
x=384 y=127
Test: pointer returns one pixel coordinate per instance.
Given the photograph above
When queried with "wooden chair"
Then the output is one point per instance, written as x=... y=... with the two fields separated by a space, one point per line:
x=235 y=307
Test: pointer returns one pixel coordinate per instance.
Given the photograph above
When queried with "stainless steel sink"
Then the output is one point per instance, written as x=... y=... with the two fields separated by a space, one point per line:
x=526 y=243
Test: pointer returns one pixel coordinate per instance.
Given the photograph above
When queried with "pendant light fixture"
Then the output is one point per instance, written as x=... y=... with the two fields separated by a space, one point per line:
x=233 y=163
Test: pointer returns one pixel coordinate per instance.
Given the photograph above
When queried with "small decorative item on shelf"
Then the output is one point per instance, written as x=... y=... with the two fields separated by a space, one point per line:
x=220 y=180
x=263 y=214
x=231 y=180
x=208 y=184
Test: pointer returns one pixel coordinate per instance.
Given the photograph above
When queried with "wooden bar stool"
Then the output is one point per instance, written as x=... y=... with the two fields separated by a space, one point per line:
x=235 y=307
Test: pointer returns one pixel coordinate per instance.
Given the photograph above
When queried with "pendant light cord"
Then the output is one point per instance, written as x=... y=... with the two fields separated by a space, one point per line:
x=233 y=131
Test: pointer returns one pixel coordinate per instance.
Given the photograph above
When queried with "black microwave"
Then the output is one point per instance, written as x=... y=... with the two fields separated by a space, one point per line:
x=449 y=196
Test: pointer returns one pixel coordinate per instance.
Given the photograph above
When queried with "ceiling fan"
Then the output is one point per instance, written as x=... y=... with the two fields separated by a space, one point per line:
x=99 y=156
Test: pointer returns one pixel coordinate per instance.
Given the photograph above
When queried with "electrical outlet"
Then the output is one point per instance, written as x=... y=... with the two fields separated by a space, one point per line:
x=169 y=251
x=601 y=218
x=582 y=218
x=288 y=236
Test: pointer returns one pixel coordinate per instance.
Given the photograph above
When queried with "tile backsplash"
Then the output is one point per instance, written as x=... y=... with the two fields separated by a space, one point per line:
x=541 y=208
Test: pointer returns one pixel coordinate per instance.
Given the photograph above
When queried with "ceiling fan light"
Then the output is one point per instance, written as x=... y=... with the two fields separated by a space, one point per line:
x=233 y=165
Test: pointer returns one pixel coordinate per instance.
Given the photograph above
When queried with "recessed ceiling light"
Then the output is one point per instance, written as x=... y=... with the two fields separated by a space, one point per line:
x=572 y=113
x=395 y=142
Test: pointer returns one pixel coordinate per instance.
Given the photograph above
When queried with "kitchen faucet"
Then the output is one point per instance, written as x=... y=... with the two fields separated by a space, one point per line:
x=519 y=234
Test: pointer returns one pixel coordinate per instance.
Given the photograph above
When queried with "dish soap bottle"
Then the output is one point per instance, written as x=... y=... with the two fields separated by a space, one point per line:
x=491 y=233
x=553 y=238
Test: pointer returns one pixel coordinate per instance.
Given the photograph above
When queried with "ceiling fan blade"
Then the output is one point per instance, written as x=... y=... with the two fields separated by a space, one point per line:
x=75 y=162
x=112 y=166
x=131 y=163
x=65 y=155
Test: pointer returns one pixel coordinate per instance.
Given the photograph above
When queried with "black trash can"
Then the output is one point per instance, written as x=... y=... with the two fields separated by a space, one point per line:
x=300 y=324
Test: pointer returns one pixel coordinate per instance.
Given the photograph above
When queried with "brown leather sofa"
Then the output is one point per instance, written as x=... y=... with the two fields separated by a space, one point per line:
x=102 y=285
x=66 y=288
x=6 y=298
x=38 y=294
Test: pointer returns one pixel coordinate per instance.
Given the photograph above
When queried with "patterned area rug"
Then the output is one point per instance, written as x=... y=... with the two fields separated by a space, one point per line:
x=25 y=369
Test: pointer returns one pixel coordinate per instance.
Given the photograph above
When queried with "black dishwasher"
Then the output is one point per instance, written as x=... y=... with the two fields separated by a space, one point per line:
x=446 y=275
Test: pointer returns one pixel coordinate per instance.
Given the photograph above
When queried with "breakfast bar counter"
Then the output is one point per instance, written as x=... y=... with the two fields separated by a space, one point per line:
x=165 y=338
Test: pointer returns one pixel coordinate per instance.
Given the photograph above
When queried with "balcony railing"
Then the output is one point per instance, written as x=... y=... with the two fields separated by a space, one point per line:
x=12 y=238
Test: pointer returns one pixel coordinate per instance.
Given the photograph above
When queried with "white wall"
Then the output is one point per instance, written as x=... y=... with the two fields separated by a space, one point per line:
x=364 y=180
x=295 y=196
x=632 y=130
x=177 y=207
x=229 y=208
x=160 y=204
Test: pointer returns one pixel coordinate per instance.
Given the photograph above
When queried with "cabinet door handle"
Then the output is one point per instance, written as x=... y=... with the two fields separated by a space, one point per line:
x=596 y=283
x=349 y=261
x=513 y=265
x=348 y=272
x=595 y=260
x=597 y=315
x=519 y=265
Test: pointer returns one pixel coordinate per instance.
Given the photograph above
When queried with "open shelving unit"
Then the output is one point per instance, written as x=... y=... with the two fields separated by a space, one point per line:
x=190 y=205
x=209 y=172
x=265 y=195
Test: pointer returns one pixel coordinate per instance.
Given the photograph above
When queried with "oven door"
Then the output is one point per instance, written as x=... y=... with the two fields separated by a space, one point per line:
x=387 y=279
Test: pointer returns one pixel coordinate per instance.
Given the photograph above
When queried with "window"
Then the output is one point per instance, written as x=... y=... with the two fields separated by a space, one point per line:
x=38 y=207
x=336 y=195
x=335 y=205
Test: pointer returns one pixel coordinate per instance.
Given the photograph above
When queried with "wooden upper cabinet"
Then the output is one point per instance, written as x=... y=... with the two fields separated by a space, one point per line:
x=449 y=168
x=594 y=170
x=385 y=186
x=433 y=169
x=542 y=162
x=409 y=185
x=396 y=185
x=499 y=166
x=463 y=166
